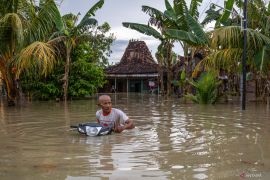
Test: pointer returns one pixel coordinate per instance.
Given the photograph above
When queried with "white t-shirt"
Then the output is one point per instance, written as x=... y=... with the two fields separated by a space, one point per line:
x=115 y=115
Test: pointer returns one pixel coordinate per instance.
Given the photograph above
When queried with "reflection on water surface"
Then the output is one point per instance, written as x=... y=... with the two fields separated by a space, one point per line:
x=172 y=140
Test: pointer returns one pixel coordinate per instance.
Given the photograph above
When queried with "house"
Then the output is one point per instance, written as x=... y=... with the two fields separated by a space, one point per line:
x=136 y=72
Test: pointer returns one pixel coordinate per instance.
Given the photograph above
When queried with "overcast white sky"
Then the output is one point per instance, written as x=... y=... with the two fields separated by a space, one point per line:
x=117 y=11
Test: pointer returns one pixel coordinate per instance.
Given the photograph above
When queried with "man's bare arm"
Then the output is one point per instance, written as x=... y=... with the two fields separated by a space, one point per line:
x=129 y=124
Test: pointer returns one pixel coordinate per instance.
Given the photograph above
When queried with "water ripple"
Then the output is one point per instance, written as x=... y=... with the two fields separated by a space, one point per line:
x=171 y=140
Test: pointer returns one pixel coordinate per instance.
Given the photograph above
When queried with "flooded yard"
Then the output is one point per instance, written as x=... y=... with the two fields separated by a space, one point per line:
x=172 y=140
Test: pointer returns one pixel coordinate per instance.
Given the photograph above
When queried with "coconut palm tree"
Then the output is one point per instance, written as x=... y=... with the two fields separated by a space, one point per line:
x=258 y=14
x=227 y=49
x=227 y=40
x=24 y=28
x=75 y=32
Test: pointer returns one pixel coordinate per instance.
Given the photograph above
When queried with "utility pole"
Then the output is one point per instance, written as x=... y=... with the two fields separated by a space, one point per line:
x=244 y=56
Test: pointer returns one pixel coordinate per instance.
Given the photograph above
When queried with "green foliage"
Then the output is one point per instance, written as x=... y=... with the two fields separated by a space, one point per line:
x=43 y=88
x=182 y=80
x=206 y=89
x=100 y=45
x=85 y=75
x=211 y=15
x=262 y=60
x=93 y=9
x=144 y=29
x=24 y=30
x=193 y=10
x=86 y=72
x=227 y=10
x=85 y=79
x=227 y=50
x=46 y=91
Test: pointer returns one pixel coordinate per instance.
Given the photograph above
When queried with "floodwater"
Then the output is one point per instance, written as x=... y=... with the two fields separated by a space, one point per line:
x=172 y=140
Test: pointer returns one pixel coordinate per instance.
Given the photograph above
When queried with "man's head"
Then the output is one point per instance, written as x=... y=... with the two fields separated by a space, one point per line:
x=104 y=101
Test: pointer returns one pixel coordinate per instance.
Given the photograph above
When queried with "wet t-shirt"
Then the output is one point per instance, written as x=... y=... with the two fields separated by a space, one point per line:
x=115 y=116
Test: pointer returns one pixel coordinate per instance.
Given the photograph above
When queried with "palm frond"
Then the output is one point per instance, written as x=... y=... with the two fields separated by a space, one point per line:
x=180 y=6
x=193 y=10
x=86 y=23
x=180 y=9
x=180 y=35
x=169 y=12
x=37 y=55
x=196 y=28
x=57 y=17
x=93 y=9
x=266 y=25
x=211 y=15
x=14 y=22
x=168 y=6
x=144 y=29
x=232 y=36
x=268 y=8
x=262 y=60
x=42 y=24
x=57 y=39
x=152 y=12
x=227 y=10
x=225 y=58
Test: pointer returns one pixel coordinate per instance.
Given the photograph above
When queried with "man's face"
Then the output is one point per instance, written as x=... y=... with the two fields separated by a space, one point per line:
x=106 y=104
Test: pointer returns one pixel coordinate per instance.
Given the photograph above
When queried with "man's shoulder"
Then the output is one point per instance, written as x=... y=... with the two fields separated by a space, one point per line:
x=98 y=113
x=120 y=113
x=117 y=110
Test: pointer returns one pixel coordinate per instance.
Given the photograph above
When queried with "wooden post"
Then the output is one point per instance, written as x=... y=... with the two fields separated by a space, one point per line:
x=127 y=85
x=243 y=90
x=115 y=84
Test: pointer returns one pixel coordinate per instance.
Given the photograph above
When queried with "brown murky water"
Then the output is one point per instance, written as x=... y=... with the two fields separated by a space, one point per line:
x=171 y=140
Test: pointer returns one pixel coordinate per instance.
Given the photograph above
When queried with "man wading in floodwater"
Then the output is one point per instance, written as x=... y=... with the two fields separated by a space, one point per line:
x=112 y=117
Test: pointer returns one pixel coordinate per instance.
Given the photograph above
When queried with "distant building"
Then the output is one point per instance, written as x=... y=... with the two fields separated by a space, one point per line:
x=136 y=72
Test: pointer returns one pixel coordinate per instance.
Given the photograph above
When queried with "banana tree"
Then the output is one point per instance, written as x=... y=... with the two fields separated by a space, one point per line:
x=75 y=32
x=187 y=30
x=160 y=58
x=192 y=35
x=24 y=28
x=158 y=22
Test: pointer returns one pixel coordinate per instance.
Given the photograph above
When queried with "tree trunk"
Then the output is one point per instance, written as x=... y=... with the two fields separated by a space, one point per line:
x=256 y=84
x=161 y=78
x=186 y=86
x=66 y=75
x=169 y=80
x=10 y=87
x=169 y=68
x=160 y=69
x=11 y=93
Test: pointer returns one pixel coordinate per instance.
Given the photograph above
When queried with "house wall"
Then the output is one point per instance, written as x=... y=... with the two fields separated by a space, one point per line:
x=136 y=85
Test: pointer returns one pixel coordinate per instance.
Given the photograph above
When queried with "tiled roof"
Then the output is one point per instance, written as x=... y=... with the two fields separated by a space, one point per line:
x=137 y=59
